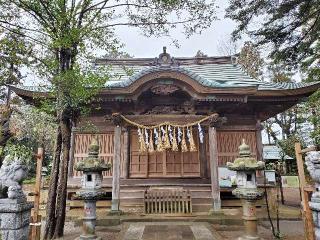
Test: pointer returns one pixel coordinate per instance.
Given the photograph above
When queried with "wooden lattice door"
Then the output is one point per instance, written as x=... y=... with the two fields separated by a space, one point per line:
x=162 y=164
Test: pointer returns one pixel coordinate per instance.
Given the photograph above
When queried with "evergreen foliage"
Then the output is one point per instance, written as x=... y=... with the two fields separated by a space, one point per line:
x=290 y=29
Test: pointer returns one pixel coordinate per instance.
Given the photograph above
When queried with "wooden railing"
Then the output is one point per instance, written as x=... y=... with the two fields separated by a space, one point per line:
x=173 y=201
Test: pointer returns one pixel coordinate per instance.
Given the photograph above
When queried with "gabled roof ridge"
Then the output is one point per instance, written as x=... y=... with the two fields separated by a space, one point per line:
x=202 y=60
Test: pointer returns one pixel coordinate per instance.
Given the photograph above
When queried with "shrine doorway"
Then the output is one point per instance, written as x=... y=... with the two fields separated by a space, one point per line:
x=166 y=164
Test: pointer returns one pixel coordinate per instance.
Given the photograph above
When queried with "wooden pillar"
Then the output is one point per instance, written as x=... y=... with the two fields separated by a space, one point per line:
x=203 y=158
x=259 y=128
x=215 y=188
x=116 y=170
x=126 y=153
x=36 y=218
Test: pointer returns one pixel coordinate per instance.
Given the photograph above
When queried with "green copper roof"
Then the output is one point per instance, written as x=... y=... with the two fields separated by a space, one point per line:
x=215 y=72
x=212 y=72
x=213 y=75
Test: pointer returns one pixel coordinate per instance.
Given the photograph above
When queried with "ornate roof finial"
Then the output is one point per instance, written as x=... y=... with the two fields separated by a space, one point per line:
x=165 y=60
x=164 y=50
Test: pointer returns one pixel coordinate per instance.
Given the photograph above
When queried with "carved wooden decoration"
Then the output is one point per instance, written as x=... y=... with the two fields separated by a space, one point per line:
x=164 y=89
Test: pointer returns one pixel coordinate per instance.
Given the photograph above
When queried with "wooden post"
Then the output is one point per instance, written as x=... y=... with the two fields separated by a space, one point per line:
x=36 y=218
x=306 y=211
x=215 y=188
x=302 y=177
x=116 y=171
x=259 y=128
x=126 y=154
x=203 y=159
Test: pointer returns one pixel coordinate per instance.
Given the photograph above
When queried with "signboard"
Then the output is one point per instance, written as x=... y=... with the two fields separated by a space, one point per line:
x=227 y=178
x=290 y=181
x=270 y=176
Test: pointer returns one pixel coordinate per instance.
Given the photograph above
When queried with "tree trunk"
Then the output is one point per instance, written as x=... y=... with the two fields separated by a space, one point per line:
x=52 y=195
x=63 y=176
x=5 y=133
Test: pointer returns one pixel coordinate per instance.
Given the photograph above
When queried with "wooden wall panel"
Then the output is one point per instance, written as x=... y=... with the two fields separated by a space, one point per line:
x=174 y=165
x=138 y=162
x=229 y=142
x=155 y=166
x=163 y=164
x=105 y=140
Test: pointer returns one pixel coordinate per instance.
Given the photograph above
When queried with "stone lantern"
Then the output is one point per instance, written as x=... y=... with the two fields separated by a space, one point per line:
x=246 y=166
x=92 y=168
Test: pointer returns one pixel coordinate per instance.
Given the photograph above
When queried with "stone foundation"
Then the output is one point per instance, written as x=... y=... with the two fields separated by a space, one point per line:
x=14 y=219
x=315 y=207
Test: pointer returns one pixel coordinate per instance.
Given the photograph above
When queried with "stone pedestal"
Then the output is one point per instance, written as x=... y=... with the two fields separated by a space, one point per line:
x=315 y=207
x=250 y=220
x=89 y=221
x=14 y=219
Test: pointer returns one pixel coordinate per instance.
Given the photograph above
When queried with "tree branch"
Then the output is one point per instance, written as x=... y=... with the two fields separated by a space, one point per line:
x=143 y=24
x=30 y=10
x=23 y=28
x=53 y=18
x=27 y=36
x=104 y=2
x=121 y=5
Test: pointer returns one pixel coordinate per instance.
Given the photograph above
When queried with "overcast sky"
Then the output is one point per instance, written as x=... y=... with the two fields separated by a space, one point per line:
x=139 y=46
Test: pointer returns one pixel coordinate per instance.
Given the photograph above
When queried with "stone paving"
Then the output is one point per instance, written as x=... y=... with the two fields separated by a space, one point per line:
x=170 y=231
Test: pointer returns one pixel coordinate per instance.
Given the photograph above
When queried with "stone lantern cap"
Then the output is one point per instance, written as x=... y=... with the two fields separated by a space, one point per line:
x=93 y=163
x=245 y=161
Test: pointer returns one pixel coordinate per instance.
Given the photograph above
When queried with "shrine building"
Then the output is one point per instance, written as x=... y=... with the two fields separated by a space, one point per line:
x=173 y=123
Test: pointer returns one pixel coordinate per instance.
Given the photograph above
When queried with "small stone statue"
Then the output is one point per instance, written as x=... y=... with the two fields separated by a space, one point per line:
x=313 y=166
x=12 y=173
x=15 y=211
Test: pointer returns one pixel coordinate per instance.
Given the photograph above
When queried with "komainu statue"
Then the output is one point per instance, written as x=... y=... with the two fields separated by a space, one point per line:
x=12 y=173
x=313 y=166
